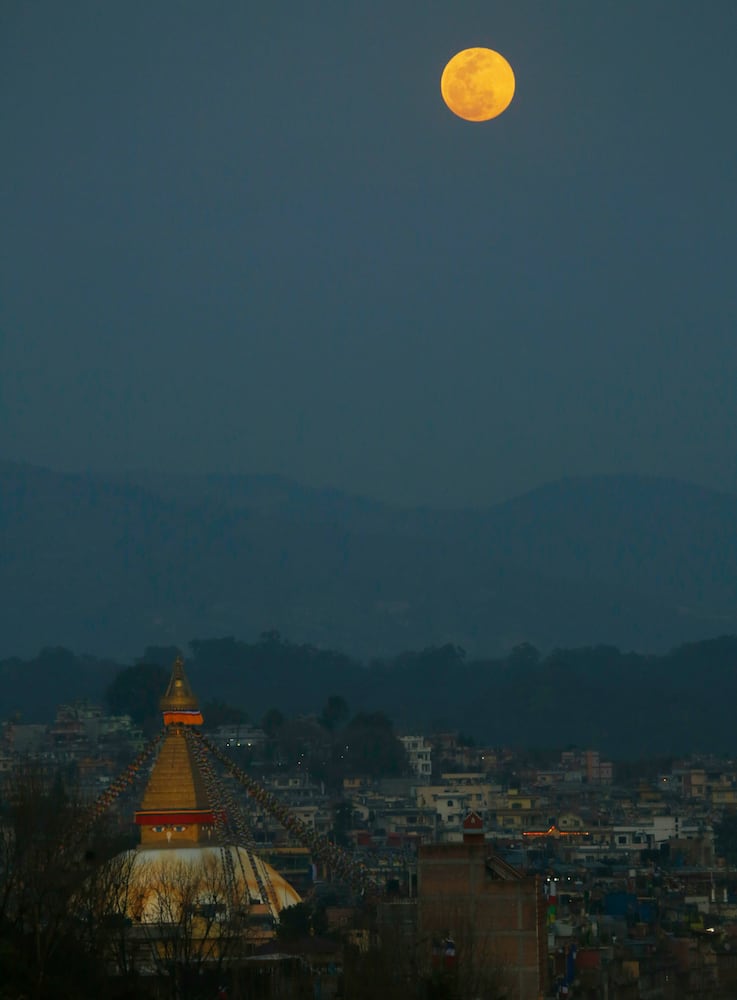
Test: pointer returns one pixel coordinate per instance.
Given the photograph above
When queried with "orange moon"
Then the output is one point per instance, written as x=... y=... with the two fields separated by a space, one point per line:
x=477 y=84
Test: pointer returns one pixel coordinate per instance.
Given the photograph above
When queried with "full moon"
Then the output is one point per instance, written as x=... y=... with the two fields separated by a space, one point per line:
x=477 y=84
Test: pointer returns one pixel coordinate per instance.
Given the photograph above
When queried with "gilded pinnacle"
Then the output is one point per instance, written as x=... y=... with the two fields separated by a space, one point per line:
x=179 y=696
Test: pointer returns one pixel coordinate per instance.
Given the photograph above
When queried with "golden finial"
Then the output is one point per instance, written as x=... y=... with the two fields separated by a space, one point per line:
x=179 y=703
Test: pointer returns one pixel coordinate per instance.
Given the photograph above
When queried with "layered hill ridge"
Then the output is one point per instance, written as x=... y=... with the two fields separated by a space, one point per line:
x=108 y=566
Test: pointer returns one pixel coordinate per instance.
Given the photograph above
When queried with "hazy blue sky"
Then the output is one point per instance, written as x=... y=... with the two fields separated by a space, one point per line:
x=249 y=237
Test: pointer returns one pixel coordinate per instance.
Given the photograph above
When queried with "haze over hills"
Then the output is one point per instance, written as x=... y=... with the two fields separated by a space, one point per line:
x=108 y=566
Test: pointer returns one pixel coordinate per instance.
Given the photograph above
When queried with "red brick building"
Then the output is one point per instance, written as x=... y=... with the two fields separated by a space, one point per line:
x=480 y=920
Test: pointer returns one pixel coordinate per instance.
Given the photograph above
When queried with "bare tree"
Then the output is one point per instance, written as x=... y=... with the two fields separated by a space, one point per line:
x=104 y=903
x=43 y=865
x=190 y=918
x=449 y=961
x=462 y=958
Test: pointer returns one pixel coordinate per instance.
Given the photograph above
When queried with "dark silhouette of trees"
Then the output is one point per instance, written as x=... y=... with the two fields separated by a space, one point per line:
x=160 y=656
x=136 y=691
x=304 y=744
x=682 y=701
x=371 y=747
x=524 y=656
x=295 y=922
x=335 y=712
x=48 y=852
x=272 y=722
x=342 y=822
x=217 y=713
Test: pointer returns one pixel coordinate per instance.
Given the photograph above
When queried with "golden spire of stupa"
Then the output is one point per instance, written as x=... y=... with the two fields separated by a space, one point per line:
x=179 y=705
x=176 y=808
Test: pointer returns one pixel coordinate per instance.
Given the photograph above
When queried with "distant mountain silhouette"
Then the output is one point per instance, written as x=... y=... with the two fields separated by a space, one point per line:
x=108 y=566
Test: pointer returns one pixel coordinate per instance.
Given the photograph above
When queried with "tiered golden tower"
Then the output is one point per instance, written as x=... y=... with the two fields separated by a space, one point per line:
x=176 y=808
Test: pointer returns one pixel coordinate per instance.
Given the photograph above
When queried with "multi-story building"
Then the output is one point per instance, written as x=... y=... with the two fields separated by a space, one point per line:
x=419 y=756
x=453 y=799
x=593 y=769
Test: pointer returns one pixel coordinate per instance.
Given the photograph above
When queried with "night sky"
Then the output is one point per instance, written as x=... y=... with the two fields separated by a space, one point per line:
x=249 y=237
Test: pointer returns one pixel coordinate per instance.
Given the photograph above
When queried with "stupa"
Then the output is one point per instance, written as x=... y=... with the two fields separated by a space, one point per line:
x=184 y=842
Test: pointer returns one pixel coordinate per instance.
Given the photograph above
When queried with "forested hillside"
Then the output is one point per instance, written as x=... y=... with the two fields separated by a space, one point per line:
x=624 y=704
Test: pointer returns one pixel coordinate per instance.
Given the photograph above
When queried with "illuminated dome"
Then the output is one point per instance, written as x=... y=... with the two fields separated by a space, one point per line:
x=161 y=883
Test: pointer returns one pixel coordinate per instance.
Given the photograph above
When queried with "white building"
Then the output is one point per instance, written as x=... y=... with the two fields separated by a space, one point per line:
x=653 y=831
x=419 y=755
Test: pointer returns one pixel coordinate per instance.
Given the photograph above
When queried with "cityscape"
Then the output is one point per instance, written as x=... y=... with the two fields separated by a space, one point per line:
x=256 y=859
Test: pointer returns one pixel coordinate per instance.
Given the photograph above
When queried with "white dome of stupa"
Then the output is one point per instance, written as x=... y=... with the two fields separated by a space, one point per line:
x=160 y=883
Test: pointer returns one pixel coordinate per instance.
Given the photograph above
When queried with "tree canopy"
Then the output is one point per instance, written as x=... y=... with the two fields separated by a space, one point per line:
x=136 y=691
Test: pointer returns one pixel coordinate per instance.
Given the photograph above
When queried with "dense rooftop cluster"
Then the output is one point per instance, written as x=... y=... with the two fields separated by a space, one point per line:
x=636 y=861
